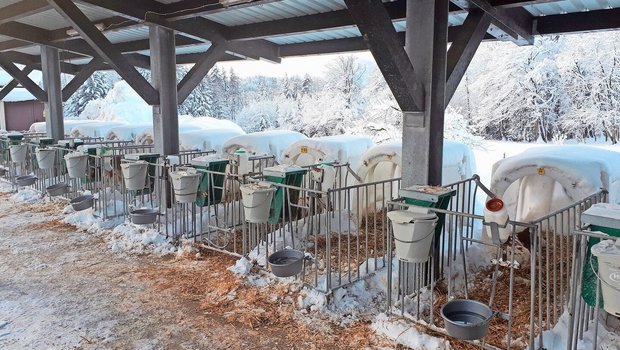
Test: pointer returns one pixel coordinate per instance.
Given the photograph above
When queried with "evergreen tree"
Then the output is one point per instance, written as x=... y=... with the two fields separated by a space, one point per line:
x=96 y=87
x=217 y=85
x=235 y=101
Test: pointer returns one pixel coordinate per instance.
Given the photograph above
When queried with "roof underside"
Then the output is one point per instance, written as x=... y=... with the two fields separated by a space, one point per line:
x=280 y=28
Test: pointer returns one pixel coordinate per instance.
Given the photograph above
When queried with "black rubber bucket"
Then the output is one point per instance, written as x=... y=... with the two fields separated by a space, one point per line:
x=57 y=189
x=144 y=216
x=286 y=262
x=83 y=202
x=26 y=180
x=466 y=319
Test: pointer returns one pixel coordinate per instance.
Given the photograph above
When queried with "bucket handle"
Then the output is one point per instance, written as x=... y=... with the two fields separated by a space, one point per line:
x=255 y=206
x=133 y=177
x=421 y=239
x=599 y=278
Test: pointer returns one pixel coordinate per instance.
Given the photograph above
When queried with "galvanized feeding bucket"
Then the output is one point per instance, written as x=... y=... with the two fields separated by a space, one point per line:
x=256 y=198
x=466 y=319
x=185 y=184
x=77 y=164
x=45 y=158
x=608 y=254
x=134 y=174
x=19 y=153
x=413 y=234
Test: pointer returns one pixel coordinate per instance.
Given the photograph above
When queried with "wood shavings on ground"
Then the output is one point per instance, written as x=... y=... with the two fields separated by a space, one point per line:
x=269 y=310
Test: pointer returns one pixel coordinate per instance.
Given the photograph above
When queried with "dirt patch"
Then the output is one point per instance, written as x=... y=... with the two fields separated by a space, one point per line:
x=54 y=225
x=267 y=312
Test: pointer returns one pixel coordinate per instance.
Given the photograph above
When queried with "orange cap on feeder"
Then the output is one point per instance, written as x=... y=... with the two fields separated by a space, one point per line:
x=494 y=204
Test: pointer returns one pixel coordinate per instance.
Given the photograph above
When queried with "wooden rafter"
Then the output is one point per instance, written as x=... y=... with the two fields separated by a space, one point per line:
x=376 y=27
x=463 y=48
x=78 y=80
x=105 y=49
x=22 y=78
x=199 y=71
x=13 y=83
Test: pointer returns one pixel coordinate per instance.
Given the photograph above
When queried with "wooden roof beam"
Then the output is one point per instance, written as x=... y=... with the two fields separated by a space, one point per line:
x=463 y=48
x=13 y=83
x=22 y=77
x=376 y=27
x=105 y=49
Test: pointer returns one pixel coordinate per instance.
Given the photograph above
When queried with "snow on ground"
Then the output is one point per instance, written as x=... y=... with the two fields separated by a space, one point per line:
x=402 y=332
x=556 y=338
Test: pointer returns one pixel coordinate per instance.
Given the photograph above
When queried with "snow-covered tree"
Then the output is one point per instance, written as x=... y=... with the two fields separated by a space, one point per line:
x=95 y=87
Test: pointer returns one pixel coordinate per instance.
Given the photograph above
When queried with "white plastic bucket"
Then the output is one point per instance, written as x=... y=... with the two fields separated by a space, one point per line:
x=256 y=200
x=45 y=158
x=185 y=184
x=495 y=211
x=413 y=234
x=19 y=153
x=134 y=174
x=608 y=254
x=77 y=164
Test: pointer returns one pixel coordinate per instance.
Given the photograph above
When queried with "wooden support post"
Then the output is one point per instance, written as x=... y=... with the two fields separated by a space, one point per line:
x=54 y=121
x=163 y=75
x=426 y=43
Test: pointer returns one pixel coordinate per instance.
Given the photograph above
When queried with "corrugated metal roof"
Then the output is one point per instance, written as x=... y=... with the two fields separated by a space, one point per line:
x=31 y=50
x=4 y=3
x=341 y=33
x=182 y=50
x=51 y=20
x=192 y=49
x=275 y=10
x=570 y=6
x=129 y=34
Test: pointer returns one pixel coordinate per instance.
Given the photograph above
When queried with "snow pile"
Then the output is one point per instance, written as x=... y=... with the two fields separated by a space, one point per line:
x=128 y=237
x=402 y=332
x=272 y=142
x=241 y=267
x=189 y=123
x=70 y=124
x=27 y=195
x=339 y=148
x=556 y=338
x=206 y=139
x=121 y=104
x=94 y=129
